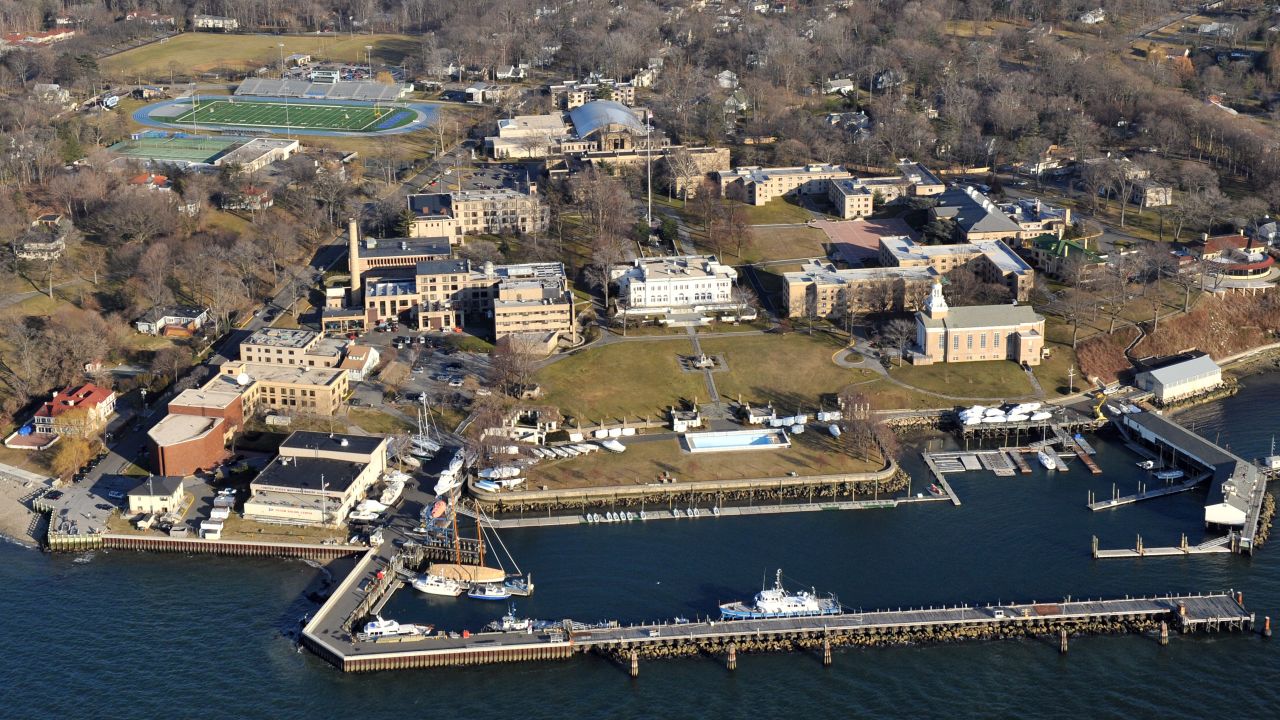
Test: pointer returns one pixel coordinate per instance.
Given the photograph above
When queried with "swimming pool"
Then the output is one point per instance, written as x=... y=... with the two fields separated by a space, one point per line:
x=733 y=440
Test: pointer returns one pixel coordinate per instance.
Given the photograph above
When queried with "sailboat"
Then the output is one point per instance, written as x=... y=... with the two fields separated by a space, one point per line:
x=485 y=583
x=421 y=443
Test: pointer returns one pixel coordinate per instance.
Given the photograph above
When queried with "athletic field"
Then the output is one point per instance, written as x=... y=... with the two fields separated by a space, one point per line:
x=311 y=116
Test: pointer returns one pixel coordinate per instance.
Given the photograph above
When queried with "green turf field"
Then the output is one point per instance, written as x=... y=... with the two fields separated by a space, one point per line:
x=251 y=113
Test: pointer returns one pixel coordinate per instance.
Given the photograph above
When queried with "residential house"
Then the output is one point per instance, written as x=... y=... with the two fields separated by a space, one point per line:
x=157 y=495
x=214 y=22
x=483 y=93
x=249 y=197
x=76 y=411
x=1148 y=193
x=151 y=181
x=51 y=93
x=727 y=79
x=977 y=333
x=172 y=320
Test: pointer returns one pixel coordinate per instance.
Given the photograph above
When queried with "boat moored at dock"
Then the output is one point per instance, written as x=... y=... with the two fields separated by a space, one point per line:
x=776 y=602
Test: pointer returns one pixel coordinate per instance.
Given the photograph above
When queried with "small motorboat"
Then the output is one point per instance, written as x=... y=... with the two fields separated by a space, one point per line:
x=489 y=591
x=1047 y=459
x=437 y=585
x=935 y=490
x=1147 y=464
x=1169 y=474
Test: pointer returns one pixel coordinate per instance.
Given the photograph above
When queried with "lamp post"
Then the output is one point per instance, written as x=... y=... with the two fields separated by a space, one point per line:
x=648 y=162
x=281 y=46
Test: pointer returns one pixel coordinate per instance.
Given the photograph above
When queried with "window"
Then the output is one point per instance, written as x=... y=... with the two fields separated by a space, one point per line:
x=955 y=343
x=982 y=341
x=995 y=339
x=968 y=342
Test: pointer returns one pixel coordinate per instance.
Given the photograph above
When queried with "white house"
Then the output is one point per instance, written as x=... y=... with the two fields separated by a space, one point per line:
x=680 y=281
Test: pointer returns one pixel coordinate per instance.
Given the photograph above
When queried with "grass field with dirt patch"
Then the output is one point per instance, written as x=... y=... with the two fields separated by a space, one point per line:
x=203 y=52
x=812 y=453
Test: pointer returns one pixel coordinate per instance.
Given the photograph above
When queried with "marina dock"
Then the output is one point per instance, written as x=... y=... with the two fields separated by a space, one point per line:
x=326 y=636
x=1224 y=545
x=1238 y=486
x=1144 y=494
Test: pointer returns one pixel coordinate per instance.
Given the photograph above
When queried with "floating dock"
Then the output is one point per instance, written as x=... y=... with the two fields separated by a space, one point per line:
x=1224 y=545
x=1144 y=494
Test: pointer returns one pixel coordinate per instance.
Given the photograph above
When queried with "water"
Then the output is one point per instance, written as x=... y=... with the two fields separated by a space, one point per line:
x=138 y=635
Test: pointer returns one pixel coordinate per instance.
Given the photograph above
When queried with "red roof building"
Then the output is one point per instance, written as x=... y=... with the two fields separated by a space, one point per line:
x=77 y=411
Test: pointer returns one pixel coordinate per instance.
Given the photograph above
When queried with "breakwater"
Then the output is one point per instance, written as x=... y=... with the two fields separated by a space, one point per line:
x=327 y=635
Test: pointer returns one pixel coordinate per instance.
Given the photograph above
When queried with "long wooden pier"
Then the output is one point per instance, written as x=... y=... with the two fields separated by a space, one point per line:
x=1184 y=613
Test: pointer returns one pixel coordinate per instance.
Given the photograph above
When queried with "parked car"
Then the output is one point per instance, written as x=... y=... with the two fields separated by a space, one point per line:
x=455 y=382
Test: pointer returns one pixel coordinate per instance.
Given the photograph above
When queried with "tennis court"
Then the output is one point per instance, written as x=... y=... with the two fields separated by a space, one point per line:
x=181 y=150
x=251 y=113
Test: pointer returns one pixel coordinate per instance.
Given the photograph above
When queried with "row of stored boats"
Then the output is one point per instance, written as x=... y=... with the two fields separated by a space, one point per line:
x=1021 y=412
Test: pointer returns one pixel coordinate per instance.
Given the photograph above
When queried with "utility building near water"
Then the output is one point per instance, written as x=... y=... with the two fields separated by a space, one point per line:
x=1181 y=378
x=317 y=479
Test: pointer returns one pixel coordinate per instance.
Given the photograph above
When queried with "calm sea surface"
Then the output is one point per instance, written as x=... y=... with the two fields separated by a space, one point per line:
x=123 y=635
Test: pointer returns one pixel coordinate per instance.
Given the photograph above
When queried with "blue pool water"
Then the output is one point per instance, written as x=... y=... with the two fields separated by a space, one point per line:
x=736 y=440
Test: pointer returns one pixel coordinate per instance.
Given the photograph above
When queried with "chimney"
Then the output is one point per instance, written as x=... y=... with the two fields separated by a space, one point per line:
x=353 y=257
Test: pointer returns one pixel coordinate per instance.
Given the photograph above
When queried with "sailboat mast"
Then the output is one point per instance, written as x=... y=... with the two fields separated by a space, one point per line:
x=480 y=538
x=457 y=549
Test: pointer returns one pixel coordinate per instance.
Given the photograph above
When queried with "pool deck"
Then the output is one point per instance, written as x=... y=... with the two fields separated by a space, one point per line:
x=692 y=440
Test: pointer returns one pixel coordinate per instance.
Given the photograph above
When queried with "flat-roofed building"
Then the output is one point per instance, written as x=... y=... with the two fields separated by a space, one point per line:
x=171 y=320
x=821 y=290
x=572 y=94
x=851 y=199
x=287 y=389
x=674 y=282
x=257 y=154
x=977 y=333
x=993 y=262
x=291 y=346
x=1036 y=218
x=317 y=479
x=912 y=180
x=194 y=434
x=758 y=185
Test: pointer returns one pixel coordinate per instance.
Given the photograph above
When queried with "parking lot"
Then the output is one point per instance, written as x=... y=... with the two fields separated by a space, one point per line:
x=435 y=369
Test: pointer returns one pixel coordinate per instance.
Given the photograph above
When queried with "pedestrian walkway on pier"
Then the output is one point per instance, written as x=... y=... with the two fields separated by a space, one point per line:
x=1186 y=613
x=1117 y=500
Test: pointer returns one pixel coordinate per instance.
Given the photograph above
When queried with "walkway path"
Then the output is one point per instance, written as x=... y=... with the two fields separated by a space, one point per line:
x=712 y=394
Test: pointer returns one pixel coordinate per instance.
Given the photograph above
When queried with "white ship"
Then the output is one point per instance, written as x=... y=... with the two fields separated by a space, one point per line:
x=776 y=602
x=436 y=585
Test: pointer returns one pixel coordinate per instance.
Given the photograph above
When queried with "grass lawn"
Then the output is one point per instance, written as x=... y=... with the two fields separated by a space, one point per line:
x=993 y=379
x=791 y=371
x=1052 y=371
x=378 y=423
x=633 y=379
x=777 y=210
x=785 y=243
x=812 y=453
x=203 y=52
x=889 y=396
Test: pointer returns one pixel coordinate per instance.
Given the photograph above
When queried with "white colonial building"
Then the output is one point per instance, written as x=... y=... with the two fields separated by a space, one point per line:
x=682 y=282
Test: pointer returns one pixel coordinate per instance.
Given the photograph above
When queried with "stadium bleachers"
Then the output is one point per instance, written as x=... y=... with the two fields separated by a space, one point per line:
x=342 y=90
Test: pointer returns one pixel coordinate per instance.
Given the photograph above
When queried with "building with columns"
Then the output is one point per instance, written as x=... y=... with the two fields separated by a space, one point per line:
x=977 y=333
